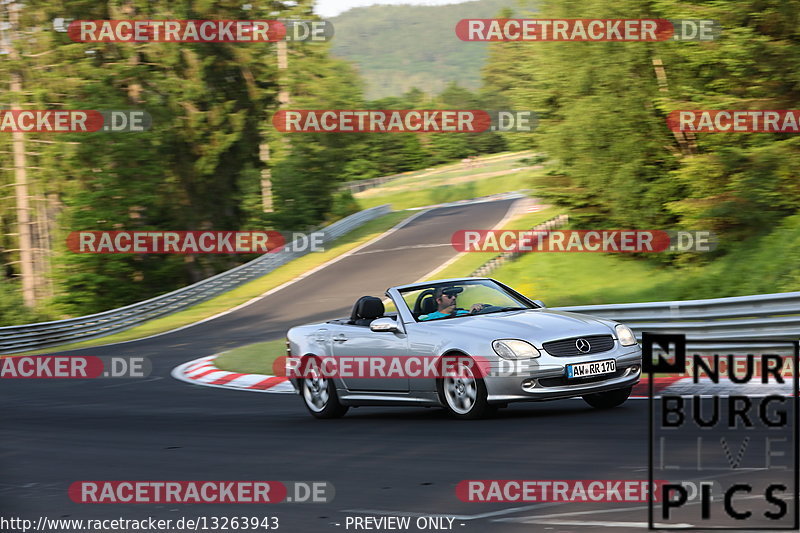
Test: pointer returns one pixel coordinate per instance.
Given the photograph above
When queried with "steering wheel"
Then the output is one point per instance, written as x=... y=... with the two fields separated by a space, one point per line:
x=485 y=307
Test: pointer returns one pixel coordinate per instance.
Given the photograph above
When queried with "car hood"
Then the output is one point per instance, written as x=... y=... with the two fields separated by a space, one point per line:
x=538 y=325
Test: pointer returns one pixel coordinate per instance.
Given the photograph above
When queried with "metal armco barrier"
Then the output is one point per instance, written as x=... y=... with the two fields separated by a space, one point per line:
x=762 y=317
x=33 y=336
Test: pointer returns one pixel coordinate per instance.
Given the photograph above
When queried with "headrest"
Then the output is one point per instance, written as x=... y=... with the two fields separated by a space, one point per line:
x=367 y=307
x=429 y=305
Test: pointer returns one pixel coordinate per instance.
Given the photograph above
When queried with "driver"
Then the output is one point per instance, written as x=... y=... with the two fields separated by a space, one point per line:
x=445 y=298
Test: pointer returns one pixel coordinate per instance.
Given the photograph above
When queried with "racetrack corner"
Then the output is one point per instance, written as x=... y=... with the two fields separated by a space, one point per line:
x=203 y=372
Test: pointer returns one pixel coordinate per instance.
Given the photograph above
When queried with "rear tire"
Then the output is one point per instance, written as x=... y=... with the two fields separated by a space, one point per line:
x=319 y=395
x=464 y=397
x=608 y=399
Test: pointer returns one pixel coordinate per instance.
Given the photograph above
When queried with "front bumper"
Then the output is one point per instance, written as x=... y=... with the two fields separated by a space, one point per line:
x=546 y=379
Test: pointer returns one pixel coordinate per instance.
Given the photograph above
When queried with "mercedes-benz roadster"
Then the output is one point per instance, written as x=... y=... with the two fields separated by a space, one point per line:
x=506 y=348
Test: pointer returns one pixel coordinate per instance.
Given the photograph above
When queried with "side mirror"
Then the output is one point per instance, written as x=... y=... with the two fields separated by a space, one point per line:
x=386 y=325
x=539 y=303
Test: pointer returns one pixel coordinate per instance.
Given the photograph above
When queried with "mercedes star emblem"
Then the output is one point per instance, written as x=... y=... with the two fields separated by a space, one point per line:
x=583 y=345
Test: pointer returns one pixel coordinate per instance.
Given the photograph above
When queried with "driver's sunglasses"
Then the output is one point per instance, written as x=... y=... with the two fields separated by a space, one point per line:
x=451 y=296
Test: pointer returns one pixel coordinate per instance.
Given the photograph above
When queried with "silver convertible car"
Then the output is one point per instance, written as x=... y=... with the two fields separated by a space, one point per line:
x=506 y=348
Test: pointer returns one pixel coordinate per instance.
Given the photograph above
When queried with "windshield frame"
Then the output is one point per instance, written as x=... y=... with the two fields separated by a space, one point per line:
x=406 y=312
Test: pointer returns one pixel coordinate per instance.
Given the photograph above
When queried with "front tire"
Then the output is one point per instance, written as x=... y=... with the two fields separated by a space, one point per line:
x=464 y=397
x=608 y=399
x=319 y=395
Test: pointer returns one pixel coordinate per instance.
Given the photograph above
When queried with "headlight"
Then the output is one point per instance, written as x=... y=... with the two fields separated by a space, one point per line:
x=514 y=349
x=625 y=335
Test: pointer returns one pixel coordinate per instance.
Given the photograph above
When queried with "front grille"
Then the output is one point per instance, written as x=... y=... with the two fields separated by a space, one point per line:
x=568 y=347
x=562 y=381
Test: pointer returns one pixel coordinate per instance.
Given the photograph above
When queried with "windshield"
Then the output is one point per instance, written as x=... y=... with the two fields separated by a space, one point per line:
x=439 y=301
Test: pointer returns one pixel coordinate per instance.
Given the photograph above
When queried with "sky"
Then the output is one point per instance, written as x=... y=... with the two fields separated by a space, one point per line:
x=331 y=8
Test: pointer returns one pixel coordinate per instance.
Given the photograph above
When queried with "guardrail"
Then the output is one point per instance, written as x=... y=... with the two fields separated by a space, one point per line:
x=764 y=317
x=363 y=185
x=39 y=335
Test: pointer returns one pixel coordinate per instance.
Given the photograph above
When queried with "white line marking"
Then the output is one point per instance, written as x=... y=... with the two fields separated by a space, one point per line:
x=524 y=519
x=409 y=247
x=530 y=519
x=272 y=291
x=156 y=378
x=511 y=213
x=605 y=524
x=455 y=516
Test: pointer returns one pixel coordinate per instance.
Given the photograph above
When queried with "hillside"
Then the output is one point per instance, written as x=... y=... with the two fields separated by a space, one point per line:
x=400 y=47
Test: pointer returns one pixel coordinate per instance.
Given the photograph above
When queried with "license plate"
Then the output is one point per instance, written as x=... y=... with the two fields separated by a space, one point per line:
x=597 y=368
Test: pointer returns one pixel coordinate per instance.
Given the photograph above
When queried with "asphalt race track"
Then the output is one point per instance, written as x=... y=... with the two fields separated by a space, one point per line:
x=382 y=461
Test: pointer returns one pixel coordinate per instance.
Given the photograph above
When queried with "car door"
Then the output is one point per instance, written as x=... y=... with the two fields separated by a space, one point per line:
x=348 y=340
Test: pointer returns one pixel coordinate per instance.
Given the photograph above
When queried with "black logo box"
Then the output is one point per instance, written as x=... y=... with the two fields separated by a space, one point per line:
x=664 y=341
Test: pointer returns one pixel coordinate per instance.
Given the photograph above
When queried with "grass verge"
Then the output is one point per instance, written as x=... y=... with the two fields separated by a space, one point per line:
x=451 y=173
x=562 y=279
x=422 y=196
x=468 y=262
x=503 y=174
x=763 y=264
x=255 y=358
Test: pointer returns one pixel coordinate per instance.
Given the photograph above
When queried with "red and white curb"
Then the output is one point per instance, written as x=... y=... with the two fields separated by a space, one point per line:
x=686 y=387
x=203 y=372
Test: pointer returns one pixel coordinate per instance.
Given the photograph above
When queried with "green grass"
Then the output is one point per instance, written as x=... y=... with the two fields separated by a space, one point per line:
x=561 y=279
x=440 y=181
x=442 y=173
x=468 y=262
x=449 y=173
x=424 y=195
x=249 y=290
x=255 y=358
x=763 y=264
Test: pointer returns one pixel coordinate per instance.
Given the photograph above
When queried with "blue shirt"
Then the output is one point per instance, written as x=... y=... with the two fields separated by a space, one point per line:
x=439 y=314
